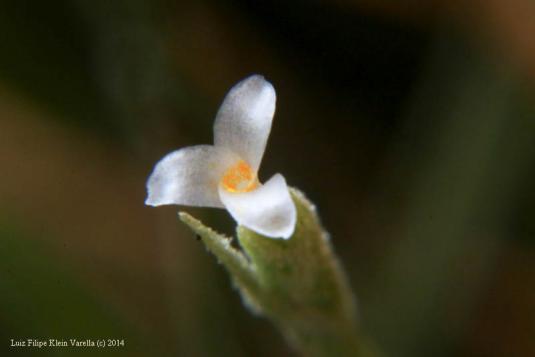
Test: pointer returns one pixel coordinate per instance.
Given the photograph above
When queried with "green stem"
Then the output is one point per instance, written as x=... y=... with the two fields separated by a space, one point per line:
x=327 y=336
x=297 y=283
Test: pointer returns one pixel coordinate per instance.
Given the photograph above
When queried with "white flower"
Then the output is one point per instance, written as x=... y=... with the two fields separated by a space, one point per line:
x=225 y=175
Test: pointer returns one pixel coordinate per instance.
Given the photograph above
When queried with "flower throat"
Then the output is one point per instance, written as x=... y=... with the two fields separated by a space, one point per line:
x=239 y=178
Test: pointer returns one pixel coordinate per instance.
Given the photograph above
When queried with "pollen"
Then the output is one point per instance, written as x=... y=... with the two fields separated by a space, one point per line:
x=240 y=178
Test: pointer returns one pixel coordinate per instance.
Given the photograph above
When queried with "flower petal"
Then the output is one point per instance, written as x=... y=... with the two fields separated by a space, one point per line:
x=189 y=176
x=268 y=210
x=244 y=120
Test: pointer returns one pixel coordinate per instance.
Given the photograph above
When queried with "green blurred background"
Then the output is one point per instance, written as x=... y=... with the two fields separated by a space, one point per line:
x=410 y=124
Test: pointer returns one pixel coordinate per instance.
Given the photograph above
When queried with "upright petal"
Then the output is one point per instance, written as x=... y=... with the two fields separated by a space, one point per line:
x=189 y=176
x=268 y=210
x=244 y=120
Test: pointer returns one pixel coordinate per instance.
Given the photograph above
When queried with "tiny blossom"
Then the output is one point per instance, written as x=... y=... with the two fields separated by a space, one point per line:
x=224 y=175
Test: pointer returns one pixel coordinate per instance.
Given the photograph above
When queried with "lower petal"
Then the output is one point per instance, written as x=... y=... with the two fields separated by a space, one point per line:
x=268 y=210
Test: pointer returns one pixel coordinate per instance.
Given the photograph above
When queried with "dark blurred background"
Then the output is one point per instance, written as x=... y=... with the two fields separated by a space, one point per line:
x=411 y=124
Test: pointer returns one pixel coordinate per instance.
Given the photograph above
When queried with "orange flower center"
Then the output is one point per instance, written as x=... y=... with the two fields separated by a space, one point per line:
x=240 y=178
